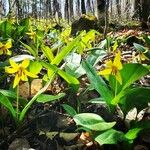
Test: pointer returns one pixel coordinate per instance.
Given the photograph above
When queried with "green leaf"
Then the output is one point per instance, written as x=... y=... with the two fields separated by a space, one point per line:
x=32 y=51
x=130 y=73
x=109 y=137
x=98 y=83
x=132 y=133
x=65 y=51
x=92 y=121
x=47 y=52
x=6 y=29
x=70 y=110
x=44 y=98
x=5 y=102
x=35 y=67
x=67 y=77
x=136 y=97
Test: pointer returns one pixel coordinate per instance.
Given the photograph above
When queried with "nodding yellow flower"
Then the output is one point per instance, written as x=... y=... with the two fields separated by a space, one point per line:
x=113 y=68
x=20 y=71
x=31 y=34
x=4 y=48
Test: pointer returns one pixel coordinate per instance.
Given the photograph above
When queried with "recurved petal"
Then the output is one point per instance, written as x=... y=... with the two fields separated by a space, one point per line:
x=8 y=52
x=13 y=64
x=16 y=81
x=105 y=72
x=118 y=77
x=30 y=74
x=117 y=61
x=24 y=77
x=25 y=63
x=1 y=44
x=11 y=70
x=109 y=63
x=8 y=44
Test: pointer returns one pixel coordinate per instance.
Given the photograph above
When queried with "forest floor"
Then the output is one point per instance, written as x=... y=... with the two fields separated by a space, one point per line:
x=47 y=126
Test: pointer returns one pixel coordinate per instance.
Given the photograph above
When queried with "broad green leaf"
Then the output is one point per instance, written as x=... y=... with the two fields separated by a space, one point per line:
x=47 y=52
x=67 y=77
x=132 y=133
x=44 y=98
x=5 y=102
x=110 y=137
x=98 y=83
x=10 y=94
x=6 y=29
x=136 y=97
x=130 y=73
x=65 y=51
x=35 y=67
x=70 y=110
x=92 y=121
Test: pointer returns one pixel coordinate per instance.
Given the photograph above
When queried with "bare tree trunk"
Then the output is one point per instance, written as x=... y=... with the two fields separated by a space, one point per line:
x=78 y=7
x=106 y=18
x=67 y=10
x=145 y=7
x=118 y=9
x=71 y=13
x=57 y=8
x=88 y=6
x=101 y=4
x=83 y=10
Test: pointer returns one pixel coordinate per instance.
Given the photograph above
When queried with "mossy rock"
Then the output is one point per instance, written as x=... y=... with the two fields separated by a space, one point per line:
x=86 y=23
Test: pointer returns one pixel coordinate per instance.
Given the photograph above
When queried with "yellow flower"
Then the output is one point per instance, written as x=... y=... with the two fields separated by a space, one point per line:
x=113 y=68
x=20 y=71
x=4 y=48
x=31 y=34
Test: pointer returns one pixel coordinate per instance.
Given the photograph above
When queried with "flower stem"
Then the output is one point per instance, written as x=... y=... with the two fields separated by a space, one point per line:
x=17 y=103
x=116 y=87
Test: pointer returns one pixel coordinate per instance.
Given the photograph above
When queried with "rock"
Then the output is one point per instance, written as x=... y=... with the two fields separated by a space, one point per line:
x=19 y=144
x=84 y=23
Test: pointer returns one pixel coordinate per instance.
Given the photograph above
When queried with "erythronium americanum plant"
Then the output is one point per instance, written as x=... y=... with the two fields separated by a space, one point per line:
x=4 y=48
x=31 y=34
x=113 y=68
x=21 y=74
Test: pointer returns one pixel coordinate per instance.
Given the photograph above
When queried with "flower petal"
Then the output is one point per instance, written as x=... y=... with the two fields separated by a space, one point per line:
x=10 y=70
x=1 y=44
x=13 y=64
x=105 y=72
x=109 y=63
x=117 y=61
x=118 y=77
x=8 y=52
x=16 y=81
x=30 y=74
x=24 y=77
x=8 y=44
x=25 y=63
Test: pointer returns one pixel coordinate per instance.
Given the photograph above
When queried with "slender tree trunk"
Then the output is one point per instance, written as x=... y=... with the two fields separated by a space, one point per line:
x=67 y=10
x=101 y=4
x=78 y=8
x=83 y=10
x=88 y=6
x=71 y=13
x=145 y=7
x=118 y=9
